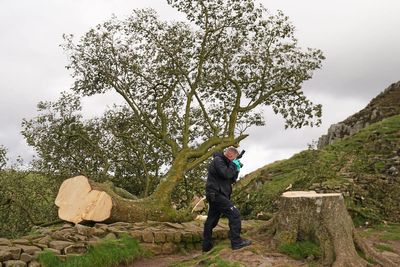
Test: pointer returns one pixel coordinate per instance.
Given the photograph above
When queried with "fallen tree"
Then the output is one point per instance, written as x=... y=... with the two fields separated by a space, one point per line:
x=80 y=199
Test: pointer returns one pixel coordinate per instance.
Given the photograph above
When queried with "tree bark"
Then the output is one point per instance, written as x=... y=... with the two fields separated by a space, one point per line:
x=321 y=218
x=166 y=186
x=80 y=199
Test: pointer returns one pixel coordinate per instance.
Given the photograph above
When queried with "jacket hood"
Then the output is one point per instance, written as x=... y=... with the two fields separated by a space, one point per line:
x=218 y=154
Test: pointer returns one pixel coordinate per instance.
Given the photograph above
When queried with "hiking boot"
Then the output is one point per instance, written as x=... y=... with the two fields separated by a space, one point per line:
x=207 y=245
x=207 y=248
x=243 y=243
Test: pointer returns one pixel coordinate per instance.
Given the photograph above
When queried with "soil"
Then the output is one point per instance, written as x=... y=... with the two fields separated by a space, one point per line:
x=258 y=254
x=247 y=256
x=164 y=260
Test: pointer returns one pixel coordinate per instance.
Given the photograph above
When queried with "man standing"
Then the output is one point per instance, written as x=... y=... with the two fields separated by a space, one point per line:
x=222 y=173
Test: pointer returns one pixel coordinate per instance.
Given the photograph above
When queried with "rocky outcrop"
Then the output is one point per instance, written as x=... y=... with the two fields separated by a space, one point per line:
x=385 y=105
x=158 y=237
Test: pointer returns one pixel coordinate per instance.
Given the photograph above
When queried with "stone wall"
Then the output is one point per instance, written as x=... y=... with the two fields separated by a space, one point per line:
x=158 y=237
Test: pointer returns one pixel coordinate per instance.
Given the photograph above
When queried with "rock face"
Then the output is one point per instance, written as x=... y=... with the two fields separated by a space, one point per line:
x=385 y=105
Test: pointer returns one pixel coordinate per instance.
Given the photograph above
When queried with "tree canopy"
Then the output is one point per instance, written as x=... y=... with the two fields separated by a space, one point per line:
x=196 y=86
x=187 y=84
x=109 y=147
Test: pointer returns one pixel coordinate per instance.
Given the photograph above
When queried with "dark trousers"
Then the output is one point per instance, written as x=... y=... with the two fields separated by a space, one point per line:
x=219 y=204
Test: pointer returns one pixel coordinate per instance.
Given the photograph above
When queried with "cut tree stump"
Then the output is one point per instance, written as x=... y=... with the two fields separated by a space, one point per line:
x=321 y=218
x=80 y=199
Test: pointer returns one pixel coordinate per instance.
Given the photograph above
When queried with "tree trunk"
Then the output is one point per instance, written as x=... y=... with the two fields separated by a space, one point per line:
x=80 y=199
x=321 y=218
x=167 y=185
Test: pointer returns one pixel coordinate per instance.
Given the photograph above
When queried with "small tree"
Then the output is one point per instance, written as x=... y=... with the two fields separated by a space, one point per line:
x=26 y=198
x=109 y=147
x=197 y=86
x=65 y=144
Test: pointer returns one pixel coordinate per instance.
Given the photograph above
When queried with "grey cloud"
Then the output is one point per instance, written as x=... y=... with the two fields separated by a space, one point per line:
x=359 y=39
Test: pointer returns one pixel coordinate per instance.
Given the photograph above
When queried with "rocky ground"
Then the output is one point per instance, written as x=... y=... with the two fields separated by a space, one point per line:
x=255 y=255
x=385 y=239
x=179 y=244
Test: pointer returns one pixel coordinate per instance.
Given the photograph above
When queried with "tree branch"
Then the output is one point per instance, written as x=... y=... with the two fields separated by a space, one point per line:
x=186 y=124
x=205 y=114
x=207 y=149
x=234 y=114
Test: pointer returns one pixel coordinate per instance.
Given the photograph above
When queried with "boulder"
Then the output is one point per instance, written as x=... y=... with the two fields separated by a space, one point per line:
x=84 y=230
x=26 y=257
x=29 y=249
x=15 y=251
x=5 y=242
x=21 y=241
x=5 y=255
x=15 y=263
x=76 y=249
x=59 y=244
x=147 y=236
x=34 y=264
x=110 y=236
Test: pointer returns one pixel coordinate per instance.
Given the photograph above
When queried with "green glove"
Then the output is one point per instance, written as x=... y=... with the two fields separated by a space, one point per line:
x=237 y=163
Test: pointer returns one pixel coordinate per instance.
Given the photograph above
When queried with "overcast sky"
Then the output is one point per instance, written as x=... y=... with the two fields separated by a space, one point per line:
x=360 y=39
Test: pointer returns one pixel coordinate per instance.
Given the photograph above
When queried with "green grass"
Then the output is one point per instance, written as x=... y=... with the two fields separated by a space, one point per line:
x=385 y=232
x=104 y=254
x=367 y=233
x=384 y=247
x=301 y=250
x=391 y=232
x=390 y=236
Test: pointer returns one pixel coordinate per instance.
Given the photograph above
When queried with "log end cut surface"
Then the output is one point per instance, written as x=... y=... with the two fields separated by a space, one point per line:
x=77 y=201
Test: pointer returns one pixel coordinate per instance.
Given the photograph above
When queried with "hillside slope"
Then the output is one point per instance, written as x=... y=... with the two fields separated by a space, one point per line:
x=385 y=105
x=364 y=167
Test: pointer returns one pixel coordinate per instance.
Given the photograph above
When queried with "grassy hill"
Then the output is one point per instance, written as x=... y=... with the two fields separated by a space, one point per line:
x=364 y=167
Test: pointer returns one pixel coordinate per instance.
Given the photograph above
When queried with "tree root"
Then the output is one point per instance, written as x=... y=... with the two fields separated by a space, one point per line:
x=264 y=228
x=371 y=253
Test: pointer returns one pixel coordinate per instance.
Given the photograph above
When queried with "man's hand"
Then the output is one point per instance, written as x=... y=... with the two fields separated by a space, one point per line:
x=238 y=164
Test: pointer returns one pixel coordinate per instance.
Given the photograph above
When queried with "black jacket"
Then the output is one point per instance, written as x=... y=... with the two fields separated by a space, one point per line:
x=222 y=173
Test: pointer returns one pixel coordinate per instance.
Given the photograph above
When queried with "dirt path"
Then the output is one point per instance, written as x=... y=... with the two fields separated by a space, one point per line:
x=246 y=257
x=164 y=260
x=252 y=256
x=259 y=254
